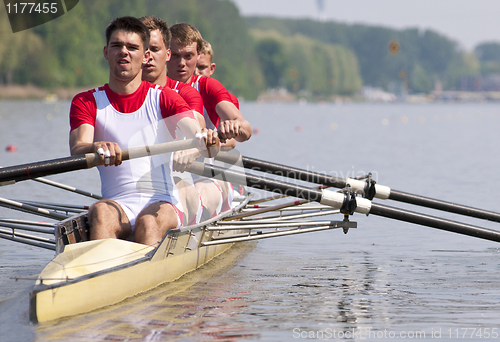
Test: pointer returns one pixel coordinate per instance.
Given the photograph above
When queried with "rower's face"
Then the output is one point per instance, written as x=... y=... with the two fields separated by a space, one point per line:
x=158 y=56
x=182 y=63
x=125 y=54
x=204 y=65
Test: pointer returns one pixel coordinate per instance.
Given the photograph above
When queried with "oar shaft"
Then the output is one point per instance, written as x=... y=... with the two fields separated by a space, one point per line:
x=67 y=187
x=31 y=209
x=29 y=240
x=85 y=161
x=282 y=170
x=442 y=205
x=434 y=222
x=45 y=168
x=334 y=199
x=382 y=192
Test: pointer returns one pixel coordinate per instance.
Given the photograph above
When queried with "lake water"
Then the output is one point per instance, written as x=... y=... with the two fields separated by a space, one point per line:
x=385 y=280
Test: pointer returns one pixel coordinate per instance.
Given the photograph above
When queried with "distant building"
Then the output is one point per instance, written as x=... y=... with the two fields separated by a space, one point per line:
x=489 y=82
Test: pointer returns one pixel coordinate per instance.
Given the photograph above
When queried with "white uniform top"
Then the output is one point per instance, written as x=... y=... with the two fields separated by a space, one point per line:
x=143 y=180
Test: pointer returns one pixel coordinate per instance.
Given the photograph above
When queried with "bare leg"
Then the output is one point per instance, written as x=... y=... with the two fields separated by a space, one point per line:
x=210 y=195
x=189 y=198
x=225 y=189
x=153 y=222
x=108 y=220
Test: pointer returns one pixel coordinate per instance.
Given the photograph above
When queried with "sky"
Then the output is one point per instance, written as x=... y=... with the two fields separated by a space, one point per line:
x=469 y=22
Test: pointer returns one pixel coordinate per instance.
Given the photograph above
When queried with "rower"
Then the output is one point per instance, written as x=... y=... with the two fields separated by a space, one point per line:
x=205 y=66
x=139 y=196
x=155 y=71
x=219 y=111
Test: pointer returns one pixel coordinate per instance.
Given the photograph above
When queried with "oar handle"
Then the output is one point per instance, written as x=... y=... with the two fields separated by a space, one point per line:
x=84 y=161
x=144 y=151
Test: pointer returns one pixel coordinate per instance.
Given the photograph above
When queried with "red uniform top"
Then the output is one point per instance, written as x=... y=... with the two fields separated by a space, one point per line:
x=188 y=93
x=84 y=109
x=234 y=99
x=212 y=92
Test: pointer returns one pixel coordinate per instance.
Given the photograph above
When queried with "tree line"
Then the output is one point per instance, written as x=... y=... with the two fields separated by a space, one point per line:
x=390 y=58
x=320 y=59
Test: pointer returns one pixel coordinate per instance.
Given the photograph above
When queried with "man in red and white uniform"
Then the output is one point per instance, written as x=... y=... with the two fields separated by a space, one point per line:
x=155 y=71
x=140 y=196
x=218 y=109
x=205 y=66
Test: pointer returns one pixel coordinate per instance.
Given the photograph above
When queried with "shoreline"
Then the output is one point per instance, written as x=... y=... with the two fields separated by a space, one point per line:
x=31 y=92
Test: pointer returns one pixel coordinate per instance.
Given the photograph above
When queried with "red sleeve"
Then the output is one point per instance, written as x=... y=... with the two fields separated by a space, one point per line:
x=234 y=99
x=215 y=90
x=173 y=108
x=172 y=103
x=83 y=110
x=192 y=97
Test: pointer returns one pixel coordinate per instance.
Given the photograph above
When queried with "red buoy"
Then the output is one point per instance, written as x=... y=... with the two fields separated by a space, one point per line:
x=256 y=131
x=11 y=148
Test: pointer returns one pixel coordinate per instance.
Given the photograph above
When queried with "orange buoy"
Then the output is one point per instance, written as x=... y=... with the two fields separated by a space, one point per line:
x=11 y=148
x=298 y=128
x=256 y=131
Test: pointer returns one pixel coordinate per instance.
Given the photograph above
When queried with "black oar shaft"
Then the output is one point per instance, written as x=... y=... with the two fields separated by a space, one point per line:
x=422 y=201
x=85 y=161
x=434 y=222
x=318 y=178
x=44 y=168
x=291 y=172
x=318 y=196
x=256 y=182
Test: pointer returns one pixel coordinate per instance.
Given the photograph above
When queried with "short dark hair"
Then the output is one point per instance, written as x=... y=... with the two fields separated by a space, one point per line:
x=186 y=34
x=154 y=23
x=129 y=24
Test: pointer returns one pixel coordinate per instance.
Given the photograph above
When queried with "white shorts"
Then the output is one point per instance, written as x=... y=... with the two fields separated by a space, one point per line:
x=133 y=204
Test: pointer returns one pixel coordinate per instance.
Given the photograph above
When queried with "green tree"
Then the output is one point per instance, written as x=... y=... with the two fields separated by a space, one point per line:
x=426 y=55
x=18 y=52
x=488 y=55
x=272 y=60
x=464 y=65
x=420 y=80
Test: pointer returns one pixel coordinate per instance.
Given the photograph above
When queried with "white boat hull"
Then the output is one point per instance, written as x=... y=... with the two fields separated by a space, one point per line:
x=93 y=274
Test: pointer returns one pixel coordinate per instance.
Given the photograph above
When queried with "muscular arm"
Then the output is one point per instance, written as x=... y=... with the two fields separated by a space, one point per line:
x=200 y=118
x=228 y=145
x=81 y=141
x=189 y=127
x=232 y=123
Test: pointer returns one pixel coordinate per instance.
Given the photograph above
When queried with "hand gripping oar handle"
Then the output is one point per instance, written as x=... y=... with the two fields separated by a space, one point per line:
x=85 y=161
x=336 y=200
x=381 y=191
